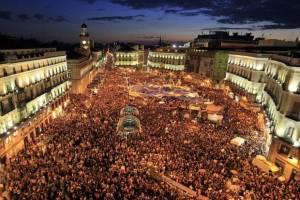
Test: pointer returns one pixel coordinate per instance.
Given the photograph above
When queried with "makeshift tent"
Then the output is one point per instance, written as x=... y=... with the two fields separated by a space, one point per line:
x=238 y=141
x=263 y=164
x=214 y=109
x=214 y=112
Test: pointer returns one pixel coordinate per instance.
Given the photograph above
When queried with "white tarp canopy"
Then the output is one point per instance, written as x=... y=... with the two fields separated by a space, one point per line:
x=161 y=102
x=215 y=117
x=263 y=164
x=238 y=141
x=193 y=107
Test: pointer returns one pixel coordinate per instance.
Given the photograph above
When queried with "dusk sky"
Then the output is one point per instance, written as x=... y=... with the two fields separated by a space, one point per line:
x=145 y=20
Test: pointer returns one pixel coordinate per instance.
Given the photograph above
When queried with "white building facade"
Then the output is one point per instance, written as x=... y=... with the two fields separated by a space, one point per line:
x=167 y=60
x=274 y=81
x=31 y=80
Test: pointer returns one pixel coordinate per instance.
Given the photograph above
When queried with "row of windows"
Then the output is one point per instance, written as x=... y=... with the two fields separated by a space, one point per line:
x=273 y=71
x=28 y=94
x=126 y=55
x=270 y=69
x=243 y=84
x=277 y=74
x=127 y=59
x=274 y=91
x=239 y=71
x=166 y=56
x=34 y=107
x=245 y=63
x=167 y=61
x=19 y=84
x=6 y=71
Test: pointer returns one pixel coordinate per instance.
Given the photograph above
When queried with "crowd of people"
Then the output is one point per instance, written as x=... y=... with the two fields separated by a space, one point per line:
x=84 y=158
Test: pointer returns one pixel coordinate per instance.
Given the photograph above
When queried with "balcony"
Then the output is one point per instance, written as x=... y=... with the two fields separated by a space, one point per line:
x=294 y=117
x=6 y=106
x=26 y=68
x=273 y=96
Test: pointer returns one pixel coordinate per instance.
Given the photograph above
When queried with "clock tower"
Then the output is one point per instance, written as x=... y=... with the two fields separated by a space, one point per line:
x=85 y=43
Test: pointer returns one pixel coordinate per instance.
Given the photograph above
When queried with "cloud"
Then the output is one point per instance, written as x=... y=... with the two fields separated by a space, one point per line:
x=117 y=18
x=6 y=15
x=57 y=19
x=90 y=1
x=23 y=17
x=228 y=28
x=190 y=13
x=276 y=13
x=183 y=12
x=149 y=37
x=142 y=4
x=277 y=26
x=172 y=11
x=39 y=16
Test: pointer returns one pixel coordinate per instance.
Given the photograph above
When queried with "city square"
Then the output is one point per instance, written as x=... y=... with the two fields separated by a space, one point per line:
x=84 y=156
x=146 y=100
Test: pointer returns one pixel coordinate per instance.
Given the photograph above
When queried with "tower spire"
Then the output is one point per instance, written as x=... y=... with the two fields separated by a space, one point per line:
x=160 y=41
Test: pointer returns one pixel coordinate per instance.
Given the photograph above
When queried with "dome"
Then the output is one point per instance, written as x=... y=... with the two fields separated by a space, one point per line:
x=83 y=25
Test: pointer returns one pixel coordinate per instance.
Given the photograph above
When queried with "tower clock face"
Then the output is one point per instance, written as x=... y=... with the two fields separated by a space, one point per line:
x=83 y=42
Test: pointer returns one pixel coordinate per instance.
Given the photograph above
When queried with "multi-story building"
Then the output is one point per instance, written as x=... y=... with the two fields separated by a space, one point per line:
x=245 y=73
x=278 y=43
x=85 y=41
x=130 y=57
x=82 y=70
x=167 y=59
x=222 y=39
x=200 y=61
x=274 y=81
x=83 y=63
x=209 y=63
x=33 y=90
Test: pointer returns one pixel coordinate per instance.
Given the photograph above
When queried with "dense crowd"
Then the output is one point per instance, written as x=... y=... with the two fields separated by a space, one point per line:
x=84 y=158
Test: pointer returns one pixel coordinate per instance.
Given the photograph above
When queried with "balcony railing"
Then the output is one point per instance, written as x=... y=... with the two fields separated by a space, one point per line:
x=294 y=116
x=22 y=69
x=273 y=96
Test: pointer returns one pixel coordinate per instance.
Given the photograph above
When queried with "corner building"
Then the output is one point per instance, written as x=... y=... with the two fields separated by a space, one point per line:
x=273 y=81
x=83 y=63
x=34 y=89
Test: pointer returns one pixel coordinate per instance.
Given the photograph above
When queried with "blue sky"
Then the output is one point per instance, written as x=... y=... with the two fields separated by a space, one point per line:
x=141 y=20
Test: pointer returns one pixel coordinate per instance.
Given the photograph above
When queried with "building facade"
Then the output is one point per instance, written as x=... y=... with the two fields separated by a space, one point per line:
x=128 y=55
x=83 y=70
x=200 y=61
x=85 y=41
x=83 y=63
x=209 y=63
x=33 y=84
x=168 y=60
x=129 y=59
x=222 y=39
x=274 y=81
